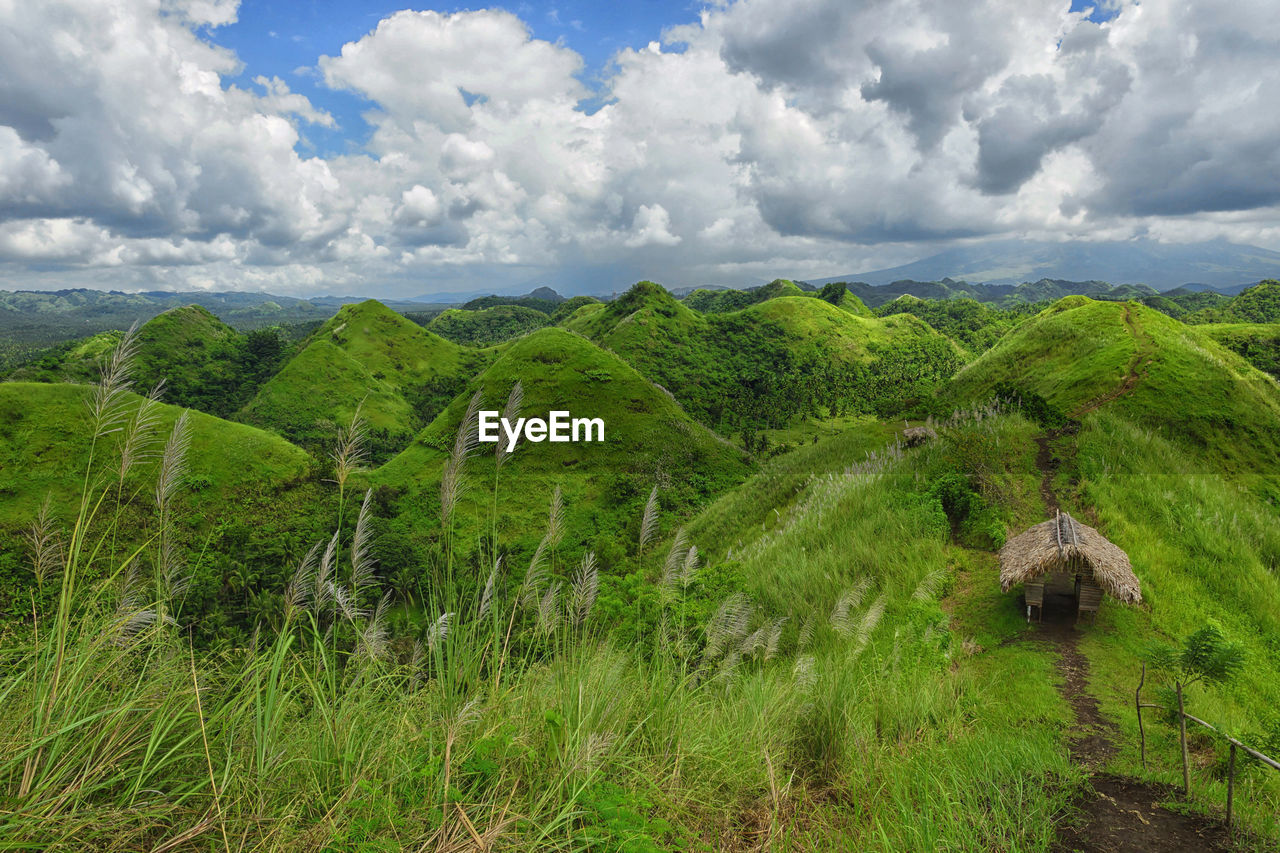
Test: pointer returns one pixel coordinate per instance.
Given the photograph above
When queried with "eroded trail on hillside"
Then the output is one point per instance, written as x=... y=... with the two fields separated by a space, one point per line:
x=1133 y=372
x=1118 y=814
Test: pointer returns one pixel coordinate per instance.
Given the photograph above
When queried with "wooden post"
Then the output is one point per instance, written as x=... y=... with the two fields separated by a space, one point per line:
x=1137 y=702
x=1182 y=734
x=1231 y=783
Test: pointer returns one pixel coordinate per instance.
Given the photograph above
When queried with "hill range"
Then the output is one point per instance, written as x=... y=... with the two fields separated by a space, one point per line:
x=784 y=561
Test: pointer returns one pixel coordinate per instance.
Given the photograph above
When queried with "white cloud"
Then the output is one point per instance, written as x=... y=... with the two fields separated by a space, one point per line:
x=652 y=227
x=774 y=137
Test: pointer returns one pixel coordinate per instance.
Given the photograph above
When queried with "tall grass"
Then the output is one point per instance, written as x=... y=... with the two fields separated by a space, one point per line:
x=1206 y=548
x=823 y=706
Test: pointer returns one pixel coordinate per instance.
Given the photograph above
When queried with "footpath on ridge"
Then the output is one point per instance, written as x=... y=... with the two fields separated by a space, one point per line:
x=1117 y=814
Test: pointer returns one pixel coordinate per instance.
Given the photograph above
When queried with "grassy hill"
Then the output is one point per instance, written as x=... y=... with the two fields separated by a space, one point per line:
x=1257 y=304
x=44 y=433
x=248 y=502
x=204 y=363
x=835 y=667
x=722 y=301
x=487 y=326
x=542 y=299
x=648 y=440
x=975 y=326
x=771 y=363
x=366 y=355
x=1256 y=343
x=1134 y=361
x=73 y=361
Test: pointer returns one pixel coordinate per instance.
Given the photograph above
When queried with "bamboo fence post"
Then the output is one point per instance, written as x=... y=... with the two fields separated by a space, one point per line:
x=1137 y=703
x=1182 y=734
x=1231 y=784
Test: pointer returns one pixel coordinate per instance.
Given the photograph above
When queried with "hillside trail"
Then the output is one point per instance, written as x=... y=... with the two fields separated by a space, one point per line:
x=1142 y=353
x=1117 y=814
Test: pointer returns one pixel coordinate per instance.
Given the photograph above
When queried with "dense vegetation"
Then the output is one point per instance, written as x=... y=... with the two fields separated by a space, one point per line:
x=370 y=358
x=343 y=623
x=1257 y=304
x=1256 y=343
x=202 y=363
x=972 y=324
x=787 y=358
x=487 y=326
x=722 y=301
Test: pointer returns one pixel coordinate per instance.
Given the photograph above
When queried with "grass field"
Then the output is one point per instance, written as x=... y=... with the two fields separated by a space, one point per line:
x=658 y=642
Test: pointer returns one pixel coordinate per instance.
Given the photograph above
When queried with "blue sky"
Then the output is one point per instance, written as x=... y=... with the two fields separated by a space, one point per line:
x=279 y=39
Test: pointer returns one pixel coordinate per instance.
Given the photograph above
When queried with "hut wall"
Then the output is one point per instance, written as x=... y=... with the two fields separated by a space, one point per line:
x=1090 y=596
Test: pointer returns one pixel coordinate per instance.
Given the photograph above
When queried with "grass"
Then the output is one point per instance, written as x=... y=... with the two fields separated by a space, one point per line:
x=370 y=357
x=1206 y=550
x=819 y=658
x=649 y=441
x=1140 y=364
x=1257 y=343
x=202 y=362
x=516 y=722
x=46 y=444
x=772 y=363
x=487 y=326
x=1179 y=468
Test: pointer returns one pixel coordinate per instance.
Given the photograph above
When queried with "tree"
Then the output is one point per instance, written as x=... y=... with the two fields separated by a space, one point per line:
x=1206 y=656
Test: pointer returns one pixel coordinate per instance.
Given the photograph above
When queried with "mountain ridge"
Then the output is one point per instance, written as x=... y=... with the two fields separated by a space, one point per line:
x=1218 y=264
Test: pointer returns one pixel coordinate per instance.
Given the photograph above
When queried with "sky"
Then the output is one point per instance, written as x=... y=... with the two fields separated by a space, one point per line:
x=368 y=149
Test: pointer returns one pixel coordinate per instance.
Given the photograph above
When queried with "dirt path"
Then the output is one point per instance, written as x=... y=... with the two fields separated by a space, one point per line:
x=1133 y=373
x=1046 y=462
x=1116 y=814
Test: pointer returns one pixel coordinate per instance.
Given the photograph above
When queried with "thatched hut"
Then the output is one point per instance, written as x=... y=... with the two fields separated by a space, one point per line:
x=1065 y=555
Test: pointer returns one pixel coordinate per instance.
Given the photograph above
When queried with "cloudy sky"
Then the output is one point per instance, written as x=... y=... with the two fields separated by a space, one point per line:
x=351 y=148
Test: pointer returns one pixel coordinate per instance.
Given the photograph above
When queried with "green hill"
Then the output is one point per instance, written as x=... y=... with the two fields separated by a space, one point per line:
x=834 y=667
x=1256 y=343
x=44 y=439
x=1082 y=356
x=974 y=325
x=854 y=305
x=648 y=440
x=487 y=326
x=542 y=299
x=73 y=361
x=1258 y=304
x=721 y=301
x=774 y=362
x=366 y=355
x=248 y=505
x=204 y=363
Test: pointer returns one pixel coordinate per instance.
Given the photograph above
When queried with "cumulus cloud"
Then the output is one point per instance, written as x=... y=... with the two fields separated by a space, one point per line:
x=652 y=227
x=795 y=137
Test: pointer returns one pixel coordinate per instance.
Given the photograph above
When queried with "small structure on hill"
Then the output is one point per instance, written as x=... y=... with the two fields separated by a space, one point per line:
x=1066 y=556
x=917 y=435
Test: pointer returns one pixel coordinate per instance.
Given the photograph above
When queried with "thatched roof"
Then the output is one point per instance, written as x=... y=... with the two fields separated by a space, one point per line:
x=1052 y=544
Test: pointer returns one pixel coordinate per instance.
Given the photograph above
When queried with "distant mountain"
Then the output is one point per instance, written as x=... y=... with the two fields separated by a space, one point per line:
x=542 y=299
x=1220 y=265
x=1044 y=290
x=61 y=314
